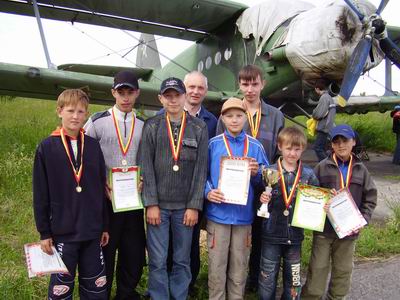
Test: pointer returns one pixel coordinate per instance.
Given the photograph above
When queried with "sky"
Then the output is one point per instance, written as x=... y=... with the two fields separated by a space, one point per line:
x=87 y=44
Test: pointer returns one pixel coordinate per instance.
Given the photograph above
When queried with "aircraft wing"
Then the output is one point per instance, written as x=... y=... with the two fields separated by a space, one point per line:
x=365 y=104
x=196 y=19
x=43 y=83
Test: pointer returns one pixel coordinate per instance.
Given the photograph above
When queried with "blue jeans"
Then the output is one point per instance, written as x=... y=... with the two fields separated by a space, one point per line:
x=396 y=155
x=175 y=285
x=320 y=145
x=271 y=255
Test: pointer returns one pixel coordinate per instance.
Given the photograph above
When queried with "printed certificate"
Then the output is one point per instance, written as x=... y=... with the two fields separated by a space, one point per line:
x=344 y=214
x=234 y=179
x=309 y=209
x=125 y=194
x=40 y=263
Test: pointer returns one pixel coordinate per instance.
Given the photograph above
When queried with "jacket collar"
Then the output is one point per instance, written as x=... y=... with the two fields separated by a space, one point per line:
x=123 y=116
x=238 y=138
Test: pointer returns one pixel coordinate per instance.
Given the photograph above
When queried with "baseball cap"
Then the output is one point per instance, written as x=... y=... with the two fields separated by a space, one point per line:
x=343 y=130
x=232 y=103
x=172 y=83
x=125 y=78
x=397 y=107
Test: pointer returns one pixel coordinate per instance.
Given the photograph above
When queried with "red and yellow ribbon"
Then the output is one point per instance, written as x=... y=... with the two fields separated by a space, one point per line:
x=349 y=171
x=77 y=173
x=289 y=199
x=175 y=149
x=124 y=148
x=254 y=126
x=228 y=147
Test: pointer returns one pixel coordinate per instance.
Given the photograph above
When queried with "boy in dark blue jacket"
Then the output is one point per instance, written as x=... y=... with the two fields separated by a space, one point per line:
x=279 y=239
x=229 y=225
x=69 y=200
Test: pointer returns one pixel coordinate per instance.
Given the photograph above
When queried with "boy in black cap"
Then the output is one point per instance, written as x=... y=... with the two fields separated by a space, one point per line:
x=119 y=131
x=341 y=169
x=174 y=164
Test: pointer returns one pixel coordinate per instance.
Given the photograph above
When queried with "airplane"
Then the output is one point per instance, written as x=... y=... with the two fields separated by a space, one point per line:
x=293 y=42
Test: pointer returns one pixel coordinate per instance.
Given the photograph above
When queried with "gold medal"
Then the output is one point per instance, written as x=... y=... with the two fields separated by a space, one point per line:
x=175 y=168
x=285 y=212
x=175 y=149
x=124 y=162
x=288 y=199
x=78 y=189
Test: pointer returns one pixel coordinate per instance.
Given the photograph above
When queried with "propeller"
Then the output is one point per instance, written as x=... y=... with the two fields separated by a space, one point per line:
x=375 y=28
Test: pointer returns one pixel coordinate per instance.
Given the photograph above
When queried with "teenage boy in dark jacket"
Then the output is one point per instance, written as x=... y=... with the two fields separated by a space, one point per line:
x=69 y=201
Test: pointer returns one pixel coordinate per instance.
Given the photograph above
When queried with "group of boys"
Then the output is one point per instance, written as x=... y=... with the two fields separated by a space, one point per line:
x=73 y=211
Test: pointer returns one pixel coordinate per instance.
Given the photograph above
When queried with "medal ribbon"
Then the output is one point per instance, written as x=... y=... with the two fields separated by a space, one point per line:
x=228 y=147
x=289 y=199
x=175 y=149
x=124 y=148
x=349 y=171
x=254 y=126
x=77 y=173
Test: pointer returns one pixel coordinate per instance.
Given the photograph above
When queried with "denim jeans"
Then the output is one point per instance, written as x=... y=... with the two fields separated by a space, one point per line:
x=320 y=145
x=271 y=255
x=396 y=154
x=163 y=286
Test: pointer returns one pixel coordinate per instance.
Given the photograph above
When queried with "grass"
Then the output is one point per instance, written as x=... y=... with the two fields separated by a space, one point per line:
x=24 y=123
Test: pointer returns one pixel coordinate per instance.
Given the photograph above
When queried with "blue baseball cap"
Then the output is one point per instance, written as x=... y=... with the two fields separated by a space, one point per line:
x=397 y=107
x=343 y=130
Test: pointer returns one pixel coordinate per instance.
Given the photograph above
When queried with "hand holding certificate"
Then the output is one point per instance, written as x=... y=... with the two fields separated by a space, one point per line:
x=309 y=211
x=40 y=263
x=344 y=214
x=234 y=179
x=125 y=194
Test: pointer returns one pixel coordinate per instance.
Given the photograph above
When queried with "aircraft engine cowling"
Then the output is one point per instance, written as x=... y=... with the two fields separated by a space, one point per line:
x=321 y=40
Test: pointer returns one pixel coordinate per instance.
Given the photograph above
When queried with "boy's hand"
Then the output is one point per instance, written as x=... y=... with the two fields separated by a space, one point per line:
x=140 y=186
x=45 y=245
x=333 y=192
x=265 y=197
x=191 y=217
x=215 y=196
x=153 y=216
x=105 y=237
x=108 y=192
x=327 y=205
x=253 y=167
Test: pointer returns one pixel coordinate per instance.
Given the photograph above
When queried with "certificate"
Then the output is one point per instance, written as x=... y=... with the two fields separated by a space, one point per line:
x=344 y=214
x=124 y=184
x=40 y=263
x=309 y=210
x=234 y=179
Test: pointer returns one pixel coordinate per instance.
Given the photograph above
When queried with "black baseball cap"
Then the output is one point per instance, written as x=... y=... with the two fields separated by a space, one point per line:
x=172 y=83
x=125 y=78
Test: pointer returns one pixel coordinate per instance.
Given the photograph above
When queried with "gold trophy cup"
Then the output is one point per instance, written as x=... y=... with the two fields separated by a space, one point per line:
x=270 y=177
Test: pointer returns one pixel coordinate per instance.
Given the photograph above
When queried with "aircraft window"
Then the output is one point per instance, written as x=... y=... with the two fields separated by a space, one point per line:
x=200 y=66
x=227 y=53
x=208 y=62
x=217 y=58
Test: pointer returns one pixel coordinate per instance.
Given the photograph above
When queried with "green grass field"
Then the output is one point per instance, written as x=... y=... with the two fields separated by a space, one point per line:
x=24 y=123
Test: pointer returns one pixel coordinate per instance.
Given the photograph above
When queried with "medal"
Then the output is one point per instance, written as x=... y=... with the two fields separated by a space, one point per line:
x=288 y=199
x=349 y=171
x=124 y=148
x=254 y=125
x=176 y=149
x=229 y=150
x=77 y=172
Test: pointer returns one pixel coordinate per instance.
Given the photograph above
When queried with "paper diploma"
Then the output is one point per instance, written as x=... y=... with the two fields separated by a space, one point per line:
x=125 y=194
x=344 y=214
x=40 y=263
x=234 y=179
x=309 y=209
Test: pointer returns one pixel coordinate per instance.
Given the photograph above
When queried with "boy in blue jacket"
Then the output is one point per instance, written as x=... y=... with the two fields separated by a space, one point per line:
x=281 y=241
x=69 y=201
x=229 y=225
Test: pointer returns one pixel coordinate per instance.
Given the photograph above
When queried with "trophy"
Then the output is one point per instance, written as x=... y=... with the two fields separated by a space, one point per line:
x=270 y=177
